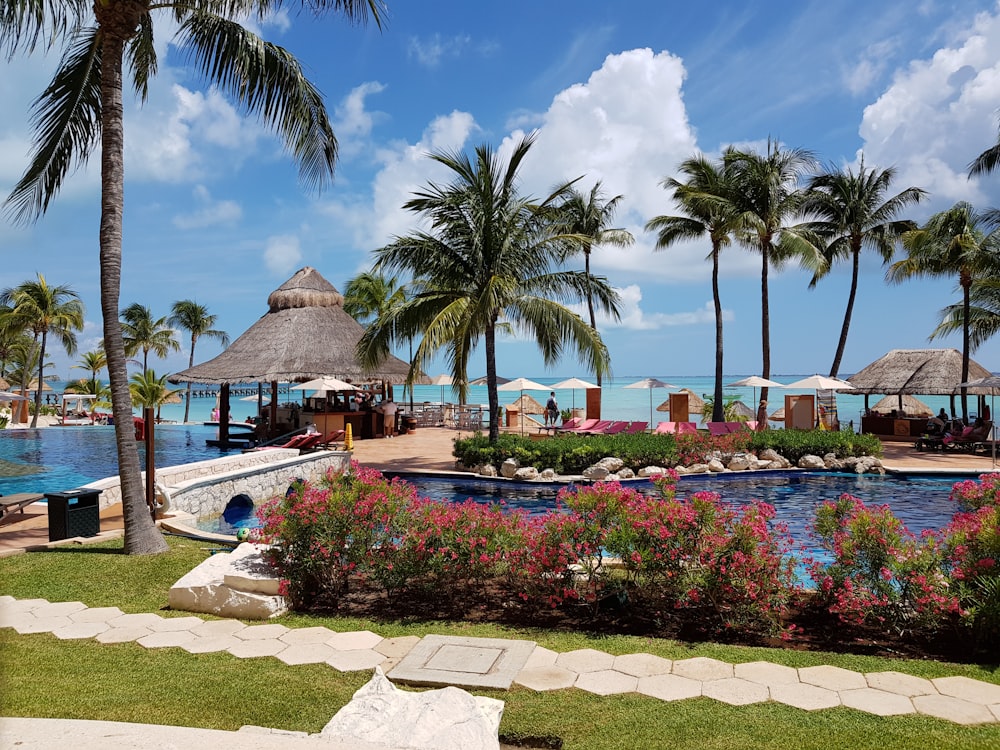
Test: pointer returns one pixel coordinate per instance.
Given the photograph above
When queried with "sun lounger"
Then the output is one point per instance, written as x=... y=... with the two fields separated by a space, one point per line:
x=597 y=429
x=585 y=425
x=687 y=428
x=311 y=442
x=636 y=427
x=676 y=428
x=615 y=428
x=295 y=442
x=336 y=436
x=17 y=502
x=717 y=429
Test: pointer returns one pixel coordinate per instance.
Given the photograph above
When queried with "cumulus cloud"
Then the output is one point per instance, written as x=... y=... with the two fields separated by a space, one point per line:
x=211 y=212
x=429 y=52
x=939 y=114
x=282 y=254
x=352 y=122
x=870 y=67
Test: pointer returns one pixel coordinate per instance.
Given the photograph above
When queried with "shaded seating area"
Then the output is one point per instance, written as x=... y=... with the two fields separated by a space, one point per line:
x=17 y=502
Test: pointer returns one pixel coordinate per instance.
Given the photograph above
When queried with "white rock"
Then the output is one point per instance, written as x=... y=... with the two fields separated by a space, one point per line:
x=249 y=571
x=611 y=463
x=487 y=470
x=595 y=473
x=526 y=473
x=810 y=461
x=716 y=466
x=625 y=473
x=445 y=719
x=652 y=471
x=698 y=469
x=205 y=589
x=548 y=475
x=769 y=454
x=739 y=462
x=509 y=467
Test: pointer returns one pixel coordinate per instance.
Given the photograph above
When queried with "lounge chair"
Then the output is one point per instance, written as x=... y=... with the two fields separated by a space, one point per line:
x=335 y=436
x=665 y=428
x=17 y=502
x=676 y=428
x=569 y=424
x=311 y=442
x=970 y=438
x=615 y=428
x=597 y=429
x=585 y=425
x=295 y=442
x=687 y=428
x=717 y=429
x=636 y=427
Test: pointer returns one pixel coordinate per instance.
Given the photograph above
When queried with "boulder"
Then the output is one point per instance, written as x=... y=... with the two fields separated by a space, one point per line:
x=596 y=473
x=716 y=466
x=547 y=475
x=739 y=462
x=611 y=463
x=509 y=467
x=652 y=471
x=526 y=473
x=769 y=454
x=445 y=719
x=240 y=584
x=697 y=469
x=681 y=470
x=625 y=473
x=487 y=470
x=810 y=461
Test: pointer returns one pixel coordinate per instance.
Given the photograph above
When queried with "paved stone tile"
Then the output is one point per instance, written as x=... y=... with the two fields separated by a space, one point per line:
x=354 y=641
x=832 y=678
x=735 y=691
x=702 y=668
x=355 y=660
x=96 y=614
x=766 y=673
x=307 y=635
x=995 y=708
x=877 y=702
x=124 y=635
x=804 y=696
x=210 y=644
x=172 y=624
x=967 y=689
x=16 y=619
x=396 y=648
x=24 y=605
x=58 y=609
x=669 y=687
x=544 y=678
x=642 y=665
x=146 y=620
x=541 y=657
x=256 y=647
x=585 y=660
x=261 y=632
x=76 y=630
x=42 y=624
x=607 y=682
x=210 y=628
x=467 y=663
x=6 y=599
x=901 y=684
x=953 y=709
x=166 y=639
x=306 y=653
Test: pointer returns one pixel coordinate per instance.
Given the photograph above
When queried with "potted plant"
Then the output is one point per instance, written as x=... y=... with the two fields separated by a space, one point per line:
x=566 y=414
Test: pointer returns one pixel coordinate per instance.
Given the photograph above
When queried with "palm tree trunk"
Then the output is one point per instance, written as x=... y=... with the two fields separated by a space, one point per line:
x=966 y=309
x=141 y=534
x=491 y=381
x=187 y=398
x=41 y=372
x=842 y=344
x=590 y=296
x=718 y=414
x=765 y=319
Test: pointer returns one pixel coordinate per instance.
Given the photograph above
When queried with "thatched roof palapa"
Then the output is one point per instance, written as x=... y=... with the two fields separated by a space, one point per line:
x=525 y=404
x=912 y=406
x=305 y=334
x=696 y=404
x=917 y=371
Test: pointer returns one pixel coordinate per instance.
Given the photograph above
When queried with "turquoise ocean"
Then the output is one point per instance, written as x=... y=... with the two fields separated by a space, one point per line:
x=617 y=401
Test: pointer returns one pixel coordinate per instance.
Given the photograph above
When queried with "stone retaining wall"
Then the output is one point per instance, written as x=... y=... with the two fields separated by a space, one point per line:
x=203 y=488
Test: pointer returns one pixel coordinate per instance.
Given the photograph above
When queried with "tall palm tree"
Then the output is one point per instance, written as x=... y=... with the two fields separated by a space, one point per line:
x=590 y=215
x=189 y=316
x=491 y=259
x=767 y=197
x=958 y=242
x=987 y=161
x=45 y=310
x=706 y=200
x=93 y=362
x=82 y=109
x=371 y=295
x=141 y=332
x=151 y=391
x=854 y=213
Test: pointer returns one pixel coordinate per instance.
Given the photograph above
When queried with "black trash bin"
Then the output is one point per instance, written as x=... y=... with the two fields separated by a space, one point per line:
x=74 y=513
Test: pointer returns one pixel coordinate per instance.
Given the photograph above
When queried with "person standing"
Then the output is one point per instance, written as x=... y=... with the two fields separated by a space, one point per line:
x=551 y=410
x=389 y=418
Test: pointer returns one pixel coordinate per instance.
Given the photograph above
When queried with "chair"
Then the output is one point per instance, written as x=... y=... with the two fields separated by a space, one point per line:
x=665 y=428
x=569 y=424
x=636 y=427
x=596 y=429
x=970 y=438
x=718 y=429
x=295 y=442
x=311 y=442
x=335 y=436
x=585 y=425
x=615 y=428
x=17 y=502
x=687 y=428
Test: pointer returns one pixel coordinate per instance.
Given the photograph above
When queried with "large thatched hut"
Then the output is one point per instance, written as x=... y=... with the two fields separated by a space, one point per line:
x=305 y=334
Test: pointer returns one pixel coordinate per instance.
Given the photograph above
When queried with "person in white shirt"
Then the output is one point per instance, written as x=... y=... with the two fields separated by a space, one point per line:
x=389 y=418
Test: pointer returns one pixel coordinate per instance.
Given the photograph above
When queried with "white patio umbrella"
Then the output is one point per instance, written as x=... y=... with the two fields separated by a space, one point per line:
x=324 y=385
x=993 y=383
x=8 y=396
x=572 y=384
x=820 y=383
x=755 y=382
x=263 y=399
x=650 y=384
x=522 y=385
x=442 y=380
x=482 y=381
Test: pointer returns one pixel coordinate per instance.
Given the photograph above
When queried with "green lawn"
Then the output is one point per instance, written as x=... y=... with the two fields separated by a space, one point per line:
x=43 y=676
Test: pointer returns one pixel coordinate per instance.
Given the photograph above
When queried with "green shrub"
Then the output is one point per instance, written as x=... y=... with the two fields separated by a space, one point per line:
x=793 y=444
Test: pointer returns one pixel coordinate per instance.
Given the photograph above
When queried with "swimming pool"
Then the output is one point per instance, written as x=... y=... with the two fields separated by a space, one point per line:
x=54 y=459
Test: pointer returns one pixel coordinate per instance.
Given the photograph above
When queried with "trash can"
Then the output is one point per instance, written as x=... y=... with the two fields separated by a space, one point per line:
x=74 y=513
x=409 y=423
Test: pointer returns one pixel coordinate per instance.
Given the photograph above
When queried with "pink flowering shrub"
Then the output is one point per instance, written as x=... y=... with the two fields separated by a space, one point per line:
x=880 y=573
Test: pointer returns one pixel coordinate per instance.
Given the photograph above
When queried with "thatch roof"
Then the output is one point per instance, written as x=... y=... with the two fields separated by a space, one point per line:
x=912 y=406
x=305 y=334
x=918 y=371
x=525 y=404
x=696 y=404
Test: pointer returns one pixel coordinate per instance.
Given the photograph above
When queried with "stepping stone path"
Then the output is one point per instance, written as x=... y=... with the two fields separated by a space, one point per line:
x=489 y=662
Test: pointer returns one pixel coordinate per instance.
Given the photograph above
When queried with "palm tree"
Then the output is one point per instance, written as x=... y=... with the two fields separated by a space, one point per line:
x=959 y=241
x=371 y=295
x=589 y=215
x=150 y=391
x=45 y=310
x=189 y=316
x=766 y=196
x=705 y=198
x=492 y=259
x=987 y=161
x=855 y=213
x=82 y=108
x=93 y=362
x=142 y=333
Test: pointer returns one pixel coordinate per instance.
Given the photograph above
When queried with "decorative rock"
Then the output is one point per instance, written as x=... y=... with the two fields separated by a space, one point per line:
x=596 y=473
x=652 y=471
x=547 y=475
x=611 y=463
x=697 y=469
x=625 y=473
x=250 y=572
x=739 y=462
x=810 y=461
x=769 y=454
x=526 y=474
x=214 y=587
x=509 y=467
x=444 y=719
x=716 y=466
x=487 y=470
x=681 y=470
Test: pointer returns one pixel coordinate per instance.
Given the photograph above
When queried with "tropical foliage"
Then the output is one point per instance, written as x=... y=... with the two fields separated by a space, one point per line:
x=189 y=316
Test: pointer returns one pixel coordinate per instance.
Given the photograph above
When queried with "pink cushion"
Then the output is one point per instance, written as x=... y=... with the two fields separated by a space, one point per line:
x=967 y=431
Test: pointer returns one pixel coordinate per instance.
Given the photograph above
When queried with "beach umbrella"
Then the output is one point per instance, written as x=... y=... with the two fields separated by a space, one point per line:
x=8 y=396
x=522 y=385
x=650 y=384
x=482 y=381
x=572 y=384
x=324 y=385
x=755 y=382
x=820 y=383
x=263 y=399
x=442 y=381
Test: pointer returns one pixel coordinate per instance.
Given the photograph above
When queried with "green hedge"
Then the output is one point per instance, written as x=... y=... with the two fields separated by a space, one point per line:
x=571 y=454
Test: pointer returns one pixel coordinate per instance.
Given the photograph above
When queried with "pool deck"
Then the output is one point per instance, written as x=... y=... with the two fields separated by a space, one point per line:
x=429 y=449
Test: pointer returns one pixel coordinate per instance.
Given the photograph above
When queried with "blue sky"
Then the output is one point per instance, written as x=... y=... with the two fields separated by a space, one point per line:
x=620 y=93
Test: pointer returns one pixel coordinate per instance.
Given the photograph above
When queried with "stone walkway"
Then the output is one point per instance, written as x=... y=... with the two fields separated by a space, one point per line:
x=957 y=699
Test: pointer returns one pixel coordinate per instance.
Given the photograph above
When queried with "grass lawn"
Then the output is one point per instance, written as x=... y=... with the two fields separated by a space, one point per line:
x=45 y=677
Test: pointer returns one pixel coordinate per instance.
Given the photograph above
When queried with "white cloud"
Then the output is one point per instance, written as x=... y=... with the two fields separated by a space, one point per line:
x=211 y=212
x=634 y=318
x=282 y=255
x=430 y=51
x=352 y=122
x=859 y=78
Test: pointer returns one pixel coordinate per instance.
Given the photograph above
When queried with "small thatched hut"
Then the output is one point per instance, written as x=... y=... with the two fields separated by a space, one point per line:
x=906 y=404
x=525 y=404
x=696 y=404
x=918 y=371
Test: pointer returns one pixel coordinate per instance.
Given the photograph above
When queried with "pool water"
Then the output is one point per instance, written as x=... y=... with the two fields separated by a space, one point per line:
x=55 y=459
